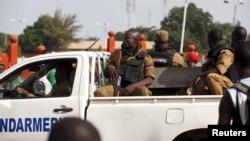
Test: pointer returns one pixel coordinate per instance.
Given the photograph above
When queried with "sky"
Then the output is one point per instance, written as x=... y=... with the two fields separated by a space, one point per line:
x=99 y=16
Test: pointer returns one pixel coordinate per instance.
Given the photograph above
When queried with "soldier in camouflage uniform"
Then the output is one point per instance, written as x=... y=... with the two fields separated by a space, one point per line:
x=164 y=55
x=135 y=68
x=218 y=71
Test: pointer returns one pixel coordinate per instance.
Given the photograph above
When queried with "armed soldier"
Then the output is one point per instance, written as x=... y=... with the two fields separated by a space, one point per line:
x=163 y=55
x=135 y=68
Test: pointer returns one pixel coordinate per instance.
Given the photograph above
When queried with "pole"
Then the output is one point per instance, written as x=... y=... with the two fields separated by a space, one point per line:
x=235 y=7
x=16 y=22
x=240 y=2
x=104 y=26
x=183 y=25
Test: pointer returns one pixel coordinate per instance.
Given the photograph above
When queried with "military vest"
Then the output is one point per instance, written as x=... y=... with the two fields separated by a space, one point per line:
x=162 y=59
x=131 y=68
x=213 y=56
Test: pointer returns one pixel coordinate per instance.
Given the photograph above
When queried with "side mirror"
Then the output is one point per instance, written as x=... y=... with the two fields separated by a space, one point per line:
x=39 y=88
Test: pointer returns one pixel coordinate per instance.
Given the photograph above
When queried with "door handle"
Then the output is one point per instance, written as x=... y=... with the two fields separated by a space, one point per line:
x=63 y=110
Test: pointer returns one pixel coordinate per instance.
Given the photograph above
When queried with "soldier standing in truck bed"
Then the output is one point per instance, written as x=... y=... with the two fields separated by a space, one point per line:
x=162 y=54
x=133 y=65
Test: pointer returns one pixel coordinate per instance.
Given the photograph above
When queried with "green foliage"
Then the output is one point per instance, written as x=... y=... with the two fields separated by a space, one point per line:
x=4 y=42
x=119 y=36
x=226 y=28
x=198 y=23
x=55 y=33
x=147 y=31
x=91 y=39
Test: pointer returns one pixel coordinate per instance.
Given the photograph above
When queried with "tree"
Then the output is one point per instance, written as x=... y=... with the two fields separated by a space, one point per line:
x=119 y=36
x=147 y=31
x=198 y=23
x=4 y=42
x=56 y=33
x=226 y=29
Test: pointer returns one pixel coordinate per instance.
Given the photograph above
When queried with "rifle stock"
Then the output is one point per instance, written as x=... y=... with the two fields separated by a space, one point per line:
x=117 y=84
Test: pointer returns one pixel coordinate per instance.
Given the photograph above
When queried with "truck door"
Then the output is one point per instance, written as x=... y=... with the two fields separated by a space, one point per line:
x=30 y=118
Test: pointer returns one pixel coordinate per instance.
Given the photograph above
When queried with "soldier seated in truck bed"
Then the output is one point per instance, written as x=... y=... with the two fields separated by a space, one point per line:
x=163 y=55
x=129 y=70
x=218 y=71
x=166 y=57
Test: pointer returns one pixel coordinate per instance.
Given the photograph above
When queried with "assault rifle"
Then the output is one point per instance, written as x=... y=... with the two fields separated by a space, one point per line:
x=87 y=49
x=117 y=83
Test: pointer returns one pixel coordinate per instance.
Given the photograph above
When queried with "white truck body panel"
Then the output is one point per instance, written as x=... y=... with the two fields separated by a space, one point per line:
x=151 y=118
x=155 y=118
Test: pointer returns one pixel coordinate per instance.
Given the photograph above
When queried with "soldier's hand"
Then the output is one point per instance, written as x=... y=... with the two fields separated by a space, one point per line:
x=128 y=90
x=111 y=72
x=196 y=81
x=124 y=92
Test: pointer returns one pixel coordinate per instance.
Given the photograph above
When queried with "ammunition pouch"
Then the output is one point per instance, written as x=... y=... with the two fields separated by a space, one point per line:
x=130 y=72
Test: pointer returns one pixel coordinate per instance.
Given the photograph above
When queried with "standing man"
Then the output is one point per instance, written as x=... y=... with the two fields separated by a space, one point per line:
x=217 y=71
x=233 y=105
x=163 y=55
x=133 y=66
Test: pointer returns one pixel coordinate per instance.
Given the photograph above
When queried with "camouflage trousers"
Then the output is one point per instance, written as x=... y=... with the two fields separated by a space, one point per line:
x=108 y=90
x=213 y=83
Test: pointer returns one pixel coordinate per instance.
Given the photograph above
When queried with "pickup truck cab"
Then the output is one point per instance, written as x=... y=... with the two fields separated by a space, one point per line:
x=158 y=117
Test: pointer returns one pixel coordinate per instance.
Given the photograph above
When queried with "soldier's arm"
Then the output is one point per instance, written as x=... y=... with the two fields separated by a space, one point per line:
x=225 y=60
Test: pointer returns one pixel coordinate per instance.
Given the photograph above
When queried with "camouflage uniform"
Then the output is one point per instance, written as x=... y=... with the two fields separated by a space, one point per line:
x=178 y=61
x=148 y=69
x=217 y=83
x=163 y=55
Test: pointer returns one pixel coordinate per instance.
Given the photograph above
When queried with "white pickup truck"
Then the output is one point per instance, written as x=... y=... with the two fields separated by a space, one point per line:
x=155 y=118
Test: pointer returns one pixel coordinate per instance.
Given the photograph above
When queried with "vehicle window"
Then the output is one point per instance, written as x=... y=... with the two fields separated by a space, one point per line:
x=16 y=79
x=32 y=81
